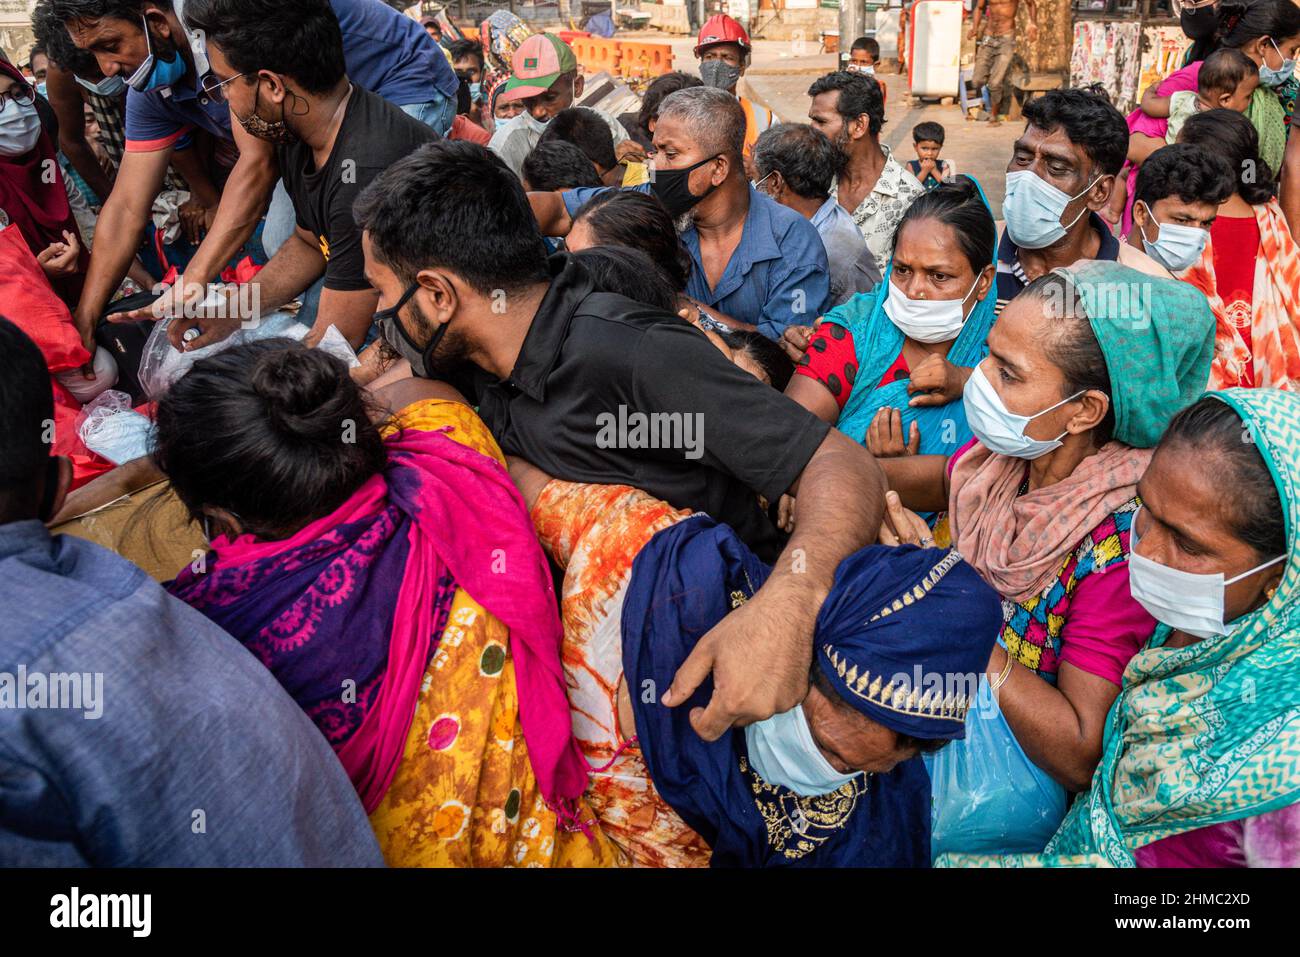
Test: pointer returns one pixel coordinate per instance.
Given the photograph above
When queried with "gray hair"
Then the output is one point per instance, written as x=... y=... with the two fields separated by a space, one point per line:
x=713 y=118
x=804 y=157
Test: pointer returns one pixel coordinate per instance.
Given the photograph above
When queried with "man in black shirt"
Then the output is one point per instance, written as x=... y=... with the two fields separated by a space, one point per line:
x=590 y=386
x=282 y=72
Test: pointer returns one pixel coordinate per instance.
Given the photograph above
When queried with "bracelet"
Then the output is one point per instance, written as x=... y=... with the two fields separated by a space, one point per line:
x=1006 y=673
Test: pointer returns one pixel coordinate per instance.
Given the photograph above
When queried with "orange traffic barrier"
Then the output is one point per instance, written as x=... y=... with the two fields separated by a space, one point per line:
x=645 y=59
x=596 y=53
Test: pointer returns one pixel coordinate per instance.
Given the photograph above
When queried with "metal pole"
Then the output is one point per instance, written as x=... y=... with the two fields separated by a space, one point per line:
x=853 y=22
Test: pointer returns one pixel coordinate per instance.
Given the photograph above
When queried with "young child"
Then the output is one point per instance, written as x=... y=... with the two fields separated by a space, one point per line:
x=927 y=167
x=1227 y=80
x=863 y=56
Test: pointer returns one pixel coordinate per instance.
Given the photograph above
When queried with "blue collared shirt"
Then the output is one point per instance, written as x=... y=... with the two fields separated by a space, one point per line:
x=777 y=277
x=171 y=744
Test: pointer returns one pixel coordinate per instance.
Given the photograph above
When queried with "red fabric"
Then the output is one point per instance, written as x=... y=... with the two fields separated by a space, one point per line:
x=243 y=271
x=86 y=465
x=33 y=199
x=831 y=360
x=899 y=370
x=463 y=128
x=1235 y=240
x=27 y=298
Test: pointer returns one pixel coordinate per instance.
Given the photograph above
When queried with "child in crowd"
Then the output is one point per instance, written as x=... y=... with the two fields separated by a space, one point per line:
x=1227 y=80
x=927 y=167
x=863 y=57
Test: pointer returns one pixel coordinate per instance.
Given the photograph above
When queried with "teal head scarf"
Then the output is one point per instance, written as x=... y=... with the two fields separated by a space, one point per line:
x=1157 y=336
x=878 y=342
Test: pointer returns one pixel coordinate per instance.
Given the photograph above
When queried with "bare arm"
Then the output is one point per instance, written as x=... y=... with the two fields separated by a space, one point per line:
x=552 y=217
x=1059 y=727
x=1141 y=146
x=126 y=478
x=814 y=397
x=64 y=95
x=351 y=310
x=759 y=655
x=1153 y=104
x=921 y=481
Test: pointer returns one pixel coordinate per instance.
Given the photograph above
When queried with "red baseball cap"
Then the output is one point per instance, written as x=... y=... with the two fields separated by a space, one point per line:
x=720 y=28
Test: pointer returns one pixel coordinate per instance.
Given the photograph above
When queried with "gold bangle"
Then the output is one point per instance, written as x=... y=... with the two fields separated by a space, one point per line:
x=1006 y=672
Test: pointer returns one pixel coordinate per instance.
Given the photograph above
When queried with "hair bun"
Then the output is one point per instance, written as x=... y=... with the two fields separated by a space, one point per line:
x=303 y=389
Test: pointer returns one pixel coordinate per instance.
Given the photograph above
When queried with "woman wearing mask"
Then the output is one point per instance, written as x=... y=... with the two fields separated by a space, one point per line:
x=33 y=197
x=1085 y=369
x=1250 y=268
x=1198 y=755
x=888 y=367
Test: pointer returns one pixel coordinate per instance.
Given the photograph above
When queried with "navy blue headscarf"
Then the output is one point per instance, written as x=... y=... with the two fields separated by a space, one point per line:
x=685 y=581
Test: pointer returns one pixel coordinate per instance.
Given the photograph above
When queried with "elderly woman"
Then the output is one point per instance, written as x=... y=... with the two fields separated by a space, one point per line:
x=389 y=578
x=643 y=582
x=887 y=366
x=1085 y=369
x=1198 y=760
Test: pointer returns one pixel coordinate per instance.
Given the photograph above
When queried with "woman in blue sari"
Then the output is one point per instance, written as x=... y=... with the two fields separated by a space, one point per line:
x=888 y=367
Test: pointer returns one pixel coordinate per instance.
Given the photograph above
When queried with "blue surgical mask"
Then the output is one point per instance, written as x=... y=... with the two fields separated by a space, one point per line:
x=476 y=92
x=1276 y=77
x=40 y=88
x=153 y=74
x=108 y=86
x=783 y=752
x=1175 y=247
x=20 y=128
x=1033 y=208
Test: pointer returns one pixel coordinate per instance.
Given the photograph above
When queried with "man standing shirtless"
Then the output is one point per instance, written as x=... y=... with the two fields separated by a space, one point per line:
x=993 y=53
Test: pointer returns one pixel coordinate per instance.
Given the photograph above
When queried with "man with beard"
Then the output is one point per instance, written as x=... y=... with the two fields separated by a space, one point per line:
x=757 y=264
x=590 y=386
x=279 y=64
x=849 y=109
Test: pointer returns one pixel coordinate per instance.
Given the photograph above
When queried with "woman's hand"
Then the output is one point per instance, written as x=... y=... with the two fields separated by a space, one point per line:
x=884 y=438
x=936 y=381
x=795 y=339
x=60 y=259
x=902 y=526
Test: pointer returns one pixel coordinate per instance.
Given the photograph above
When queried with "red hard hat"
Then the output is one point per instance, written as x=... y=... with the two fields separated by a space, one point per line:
x=720 y=28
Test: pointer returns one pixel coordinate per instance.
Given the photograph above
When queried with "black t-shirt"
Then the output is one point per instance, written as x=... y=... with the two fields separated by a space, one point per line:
x=610 y=391
x=374 y=134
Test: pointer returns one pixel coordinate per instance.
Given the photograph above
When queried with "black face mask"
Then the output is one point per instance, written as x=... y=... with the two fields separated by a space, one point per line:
x=1199 y=24
x=395 y=334
x=673 y=187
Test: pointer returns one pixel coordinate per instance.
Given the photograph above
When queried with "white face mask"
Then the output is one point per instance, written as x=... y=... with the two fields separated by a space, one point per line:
x=20 y=128
x=108 y=86
x=1175 y=247
x=998 y=428
x=927 y=320
x=782 y=751
x=533 y=123
x=1033 y=209
x=1185 y=601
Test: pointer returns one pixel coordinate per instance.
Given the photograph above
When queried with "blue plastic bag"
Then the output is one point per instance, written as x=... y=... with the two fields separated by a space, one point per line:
x=986 y=796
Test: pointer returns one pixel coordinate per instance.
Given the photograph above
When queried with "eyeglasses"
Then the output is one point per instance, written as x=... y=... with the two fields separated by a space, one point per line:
x=213 y=87
x=22 y=94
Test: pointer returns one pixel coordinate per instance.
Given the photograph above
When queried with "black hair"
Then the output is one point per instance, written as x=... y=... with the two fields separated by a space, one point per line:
x=300 y=39
x=586 y=130
x=1074 y=348
x=558 y=165
x=66 y=11
x=631 y=273
x=1241 y=21
x=858 y=94
x=1190 y=172
x=660 y=87
x=1088 y=120
x=625 y=218
x=769 y=357
x=868 y=44
x=1212 y=426
x=958 y=204
x=53 y=37
x=928 y=130
x=37 y=50
x=1230 y=135
x=454 y=204
x=805 y=158
x=271 y=431
x=26 y=421
x=460 y=49
x=1224 y=70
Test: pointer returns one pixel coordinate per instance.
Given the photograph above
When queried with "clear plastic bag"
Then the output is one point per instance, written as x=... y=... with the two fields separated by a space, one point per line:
x=86 y=390
x=108 y=425
x=987 y=797
x=161 y=363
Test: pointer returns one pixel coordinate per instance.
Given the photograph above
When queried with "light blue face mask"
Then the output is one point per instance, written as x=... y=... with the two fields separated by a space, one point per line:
x=1033 y=208
x=154 y=74
x=1276 y=77
x=40 y=88
x=1175 y=247
x=108 y=86
x=476 y=92
x=783 y=752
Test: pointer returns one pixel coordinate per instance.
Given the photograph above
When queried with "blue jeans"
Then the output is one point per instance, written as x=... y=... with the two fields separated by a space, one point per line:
x=436 y=114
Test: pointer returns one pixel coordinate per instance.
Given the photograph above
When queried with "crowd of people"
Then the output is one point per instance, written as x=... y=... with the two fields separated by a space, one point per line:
x=527 y=485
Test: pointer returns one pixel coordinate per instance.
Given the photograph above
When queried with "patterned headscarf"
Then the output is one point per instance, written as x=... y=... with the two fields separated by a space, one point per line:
x=1211 y=732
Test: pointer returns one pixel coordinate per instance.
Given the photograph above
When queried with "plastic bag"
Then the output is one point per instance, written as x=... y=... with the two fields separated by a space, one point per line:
x=336 y=344
x=161 y=363
x=112 y=428
x=987 y=797
x=87 y=390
